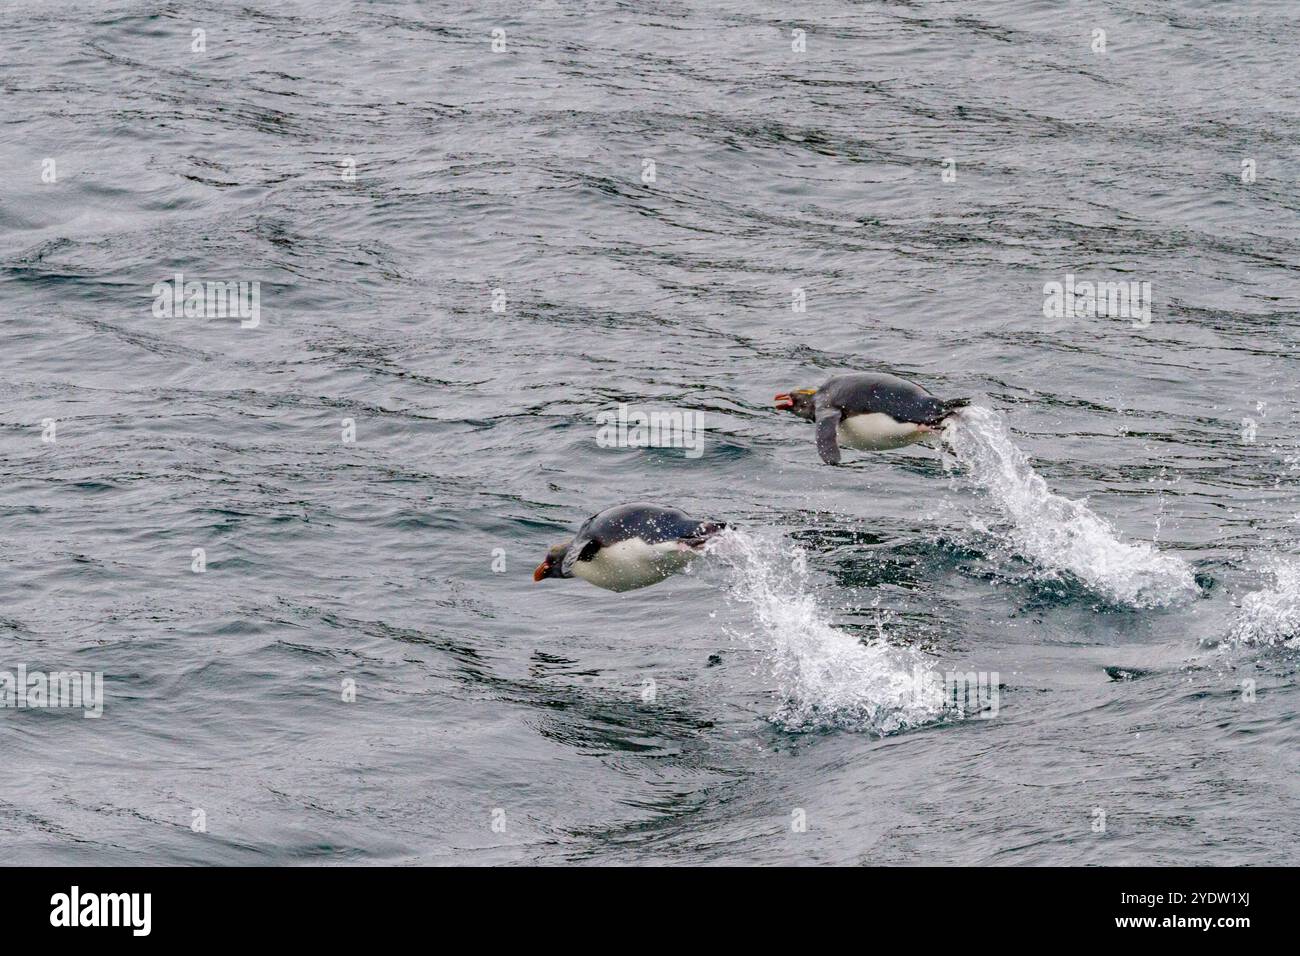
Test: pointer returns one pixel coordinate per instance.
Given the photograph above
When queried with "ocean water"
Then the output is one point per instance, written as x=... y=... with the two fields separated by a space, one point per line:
x=299 y=548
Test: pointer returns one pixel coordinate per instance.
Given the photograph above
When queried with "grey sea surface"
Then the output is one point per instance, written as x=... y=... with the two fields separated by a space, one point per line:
x=467 y=245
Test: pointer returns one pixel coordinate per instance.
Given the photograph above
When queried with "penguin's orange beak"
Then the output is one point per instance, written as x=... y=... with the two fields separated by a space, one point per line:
x=542 y=569
x=784 y=400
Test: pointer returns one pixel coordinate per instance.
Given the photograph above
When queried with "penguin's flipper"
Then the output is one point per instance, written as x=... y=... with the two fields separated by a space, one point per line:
x=582 y=549
x=827 y=444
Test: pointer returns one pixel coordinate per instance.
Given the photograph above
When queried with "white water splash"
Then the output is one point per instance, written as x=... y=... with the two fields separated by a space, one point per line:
x=1272 y=616
x=1058 y=535
x=825 y=677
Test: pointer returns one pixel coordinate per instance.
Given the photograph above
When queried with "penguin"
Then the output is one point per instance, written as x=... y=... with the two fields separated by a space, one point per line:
x=629 y=546
x=870 y=411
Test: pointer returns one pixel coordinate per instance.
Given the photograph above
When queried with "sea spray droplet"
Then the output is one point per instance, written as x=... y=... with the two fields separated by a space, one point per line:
x=1058 y=534
x=825 y=677
x=1272 y=616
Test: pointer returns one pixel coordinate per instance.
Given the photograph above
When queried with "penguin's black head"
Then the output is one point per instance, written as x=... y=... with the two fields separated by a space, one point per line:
x=551 y=567
x=799 y=401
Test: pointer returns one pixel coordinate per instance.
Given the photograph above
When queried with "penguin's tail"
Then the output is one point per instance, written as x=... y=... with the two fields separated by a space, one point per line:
x=703 y=532
x=954 y=404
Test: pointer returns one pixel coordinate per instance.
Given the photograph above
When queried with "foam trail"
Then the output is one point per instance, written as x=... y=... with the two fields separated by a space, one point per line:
x=1057 y=534
x=1272 y=616
x=825 y=677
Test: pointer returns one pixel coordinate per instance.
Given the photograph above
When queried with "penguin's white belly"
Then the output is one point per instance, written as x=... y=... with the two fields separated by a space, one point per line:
x=633 y=564
x=878 y=432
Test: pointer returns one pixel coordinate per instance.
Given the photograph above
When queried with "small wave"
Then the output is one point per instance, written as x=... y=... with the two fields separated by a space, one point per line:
x=1272 y=616
x=1058 y=535
x=826 y=678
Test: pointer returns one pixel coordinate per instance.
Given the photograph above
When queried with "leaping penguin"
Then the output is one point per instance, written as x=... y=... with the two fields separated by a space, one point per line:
x=870 y=411
x=628 y=547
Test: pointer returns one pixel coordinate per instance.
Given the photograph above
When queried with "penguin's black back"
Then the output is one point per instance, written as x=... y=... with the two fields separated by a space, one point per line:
x=648 y=522
x=865 y=393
